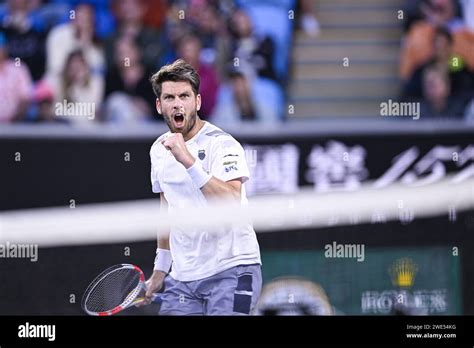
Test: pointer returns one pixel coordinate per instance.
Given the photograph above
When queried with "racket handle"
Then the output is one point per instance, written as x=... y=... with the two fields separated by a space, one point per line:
x=156 y=298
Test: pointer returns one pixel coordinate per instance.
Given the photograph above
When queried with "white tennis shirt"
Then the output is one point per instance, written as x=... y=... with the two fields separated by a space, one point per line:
x=201 y=253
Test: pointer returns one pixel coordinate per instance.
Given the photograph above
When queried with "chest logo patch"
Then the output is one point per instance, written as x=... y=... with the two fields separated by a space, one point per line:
x=201 y=154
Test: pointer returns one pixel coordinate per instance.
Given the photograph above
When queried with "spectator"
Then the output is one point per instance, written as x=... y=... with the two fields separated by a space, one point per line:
x=308 y=22
x=461 y=80
x=130 y=25
x=210 y=27
x=79 y=85
x=49 y=14
x=412 y=13
x=129 y=96
x=174 y=28
x=79 y=33
x=43 y=98
x=468 y=9
x=241 y=99
x=25 y=40
x=15 y=86
x=243 y=107
x=103 y=19
x=253 y=55
x=207 y=20
x=442 y=13
x=420 y=10
x=418 y=45
x=189 y=48
x=155 y=15
x=438 y=102
x=270 y=20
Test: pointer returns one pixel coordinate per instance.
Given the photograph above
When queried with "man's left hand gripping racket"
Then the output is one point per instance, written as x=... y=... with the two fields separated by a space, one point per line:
x=115 y=289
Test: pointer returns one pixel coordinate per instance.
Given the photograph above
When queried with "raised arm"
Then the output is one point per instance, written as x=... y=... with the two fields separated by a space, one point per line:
x=211 y=186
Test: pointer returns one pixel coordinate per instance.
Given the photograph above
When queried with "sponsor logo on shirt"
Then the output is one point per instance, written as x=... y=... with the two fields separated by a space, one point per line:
x=232 y=167
x=229 y=163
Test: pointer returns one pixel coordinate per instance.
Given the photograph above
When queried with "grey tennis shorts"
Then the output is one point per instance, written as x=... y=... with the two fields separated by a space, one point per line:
x=232 y=292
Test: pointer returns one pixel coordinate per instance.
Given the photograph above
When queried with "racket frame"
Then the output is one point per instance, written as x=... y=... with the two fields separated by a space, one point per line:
x=130 y=300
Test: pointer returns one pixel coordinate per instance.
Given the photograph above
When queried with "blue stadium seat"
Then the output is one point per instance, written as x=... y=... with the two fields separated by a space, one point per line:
x=104 y=21
x=272 y=18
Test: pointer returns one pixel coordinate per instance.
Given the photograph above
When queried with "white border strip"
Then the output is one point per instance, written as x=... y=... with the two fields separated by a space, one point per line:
x=141 y=220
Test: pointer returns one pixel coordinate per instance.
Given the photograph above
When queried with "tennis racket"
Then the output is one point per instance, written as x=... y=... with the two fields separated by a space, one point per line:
x=115 y=289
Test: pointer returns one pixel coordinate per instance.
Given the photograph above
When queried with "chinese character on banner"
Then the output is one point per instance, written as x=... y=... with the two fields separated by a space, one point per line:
x=465 y=160
x=273 y=168
x=336 y=166
x=408 y=169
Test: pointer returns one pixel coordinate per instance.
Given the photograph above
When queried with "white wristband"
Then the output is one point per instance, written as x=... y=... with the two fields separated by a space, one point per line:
x=198 y=174
x=163 y=260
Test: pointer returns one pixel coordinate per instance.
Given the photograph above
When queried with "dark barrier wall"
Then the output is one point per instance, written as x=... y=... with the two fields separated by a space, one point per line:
x=39 y=172
x=53 y=172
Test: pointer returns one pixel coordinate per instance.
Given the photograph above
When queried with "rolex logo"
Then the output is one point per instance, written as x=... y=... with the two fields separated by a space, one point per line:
x=403 y=272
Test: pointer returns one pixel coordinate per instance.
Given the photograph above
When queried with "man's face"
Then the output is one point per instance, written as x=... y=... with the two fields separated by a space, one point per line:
x=179 y=106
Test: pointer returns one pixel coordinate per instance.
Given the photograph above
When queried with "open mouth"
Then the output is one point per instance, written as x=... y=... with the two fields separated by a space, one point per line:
x=178 y=119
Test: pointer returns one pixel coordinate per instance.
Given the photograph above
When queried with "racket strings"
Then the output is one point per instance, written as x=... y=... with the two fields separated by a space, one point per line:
x=112 y=290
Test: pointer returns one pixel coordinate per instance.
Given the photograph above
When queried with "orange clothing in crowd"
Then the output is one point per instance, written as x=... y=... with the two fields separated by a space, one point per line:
x=418 y=47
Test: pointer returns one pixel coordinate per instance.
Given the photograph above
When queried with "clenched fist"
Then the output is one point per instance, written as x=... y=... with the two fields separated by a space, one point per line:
x=176 y=145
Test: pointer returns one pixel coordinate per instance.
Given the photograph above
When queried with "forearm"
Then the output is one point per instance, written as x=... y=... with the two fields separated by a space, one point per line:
x=216 y=188
x=163 y=238
x=210 y=186
x=164 y=241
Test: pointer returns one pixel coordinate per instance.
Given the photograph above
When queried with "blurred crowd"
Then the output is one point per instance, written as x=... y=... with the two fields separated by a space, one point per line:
x=437 y=60
x=56 y=55
x=59 y=54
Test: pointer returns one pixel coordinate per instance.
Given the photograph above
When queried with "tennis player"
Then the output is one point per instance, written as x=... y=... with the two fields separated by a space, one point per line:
x=203 y=271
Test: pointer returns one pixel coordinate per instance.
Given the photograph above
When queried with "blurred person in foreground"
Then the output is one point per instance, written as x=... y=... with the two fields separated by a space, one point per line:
x=293 y=296
x=214 y=271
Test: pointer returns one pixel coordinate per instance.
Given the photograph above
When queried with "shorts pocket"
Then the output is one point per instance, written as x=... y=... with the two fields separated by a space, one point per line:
x=243 y=294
